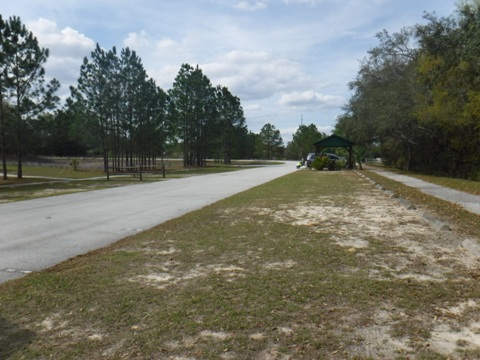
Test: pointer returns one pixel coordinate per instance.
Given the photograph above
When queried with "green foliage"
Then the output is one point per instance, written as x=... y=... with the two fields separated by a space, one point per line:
x=117 y=111
x=303 y=140
x=416 y=96
x=22 y=83
x=209 y=120
x=270 y=142
x=320 y=162
x=231 y=124
x=340 y=164
x=121 y=108
x=74 y=163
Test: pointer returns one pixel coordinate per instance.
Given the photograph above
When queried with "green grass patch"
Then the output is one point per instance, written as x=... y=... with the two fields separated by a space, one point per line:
x=61 y=172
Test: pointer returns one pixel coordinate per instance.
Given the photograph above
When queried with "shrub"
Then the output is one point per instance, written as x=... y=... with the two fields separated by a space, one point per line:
x=320 y=162
x=340 y=164
x=74 y=164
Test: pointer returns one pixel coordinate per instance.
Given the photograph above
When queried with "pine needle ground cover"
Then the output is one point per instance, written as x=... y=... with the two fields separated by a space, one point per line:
x=314 y=265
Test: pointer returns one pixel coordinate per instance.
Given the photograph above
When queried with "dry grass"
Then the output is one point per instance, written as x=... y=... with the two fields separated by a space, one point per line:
x=315 y=265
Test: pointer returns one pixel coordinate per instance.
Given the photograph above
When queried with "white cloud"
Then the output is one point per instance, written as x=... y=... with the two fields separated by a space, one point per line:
x=135 y=40
x=67 y=49
x=308 y=2
x=253 y=108
x=164 y=76
x=287 y=133
x=65 y=42
x=310 y=99
x=254 y=75
x=251 y=5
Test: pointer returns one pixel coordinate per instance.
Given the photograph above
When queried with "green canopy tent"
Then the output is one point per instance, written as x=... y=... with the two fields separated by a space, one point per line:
x=335 y=141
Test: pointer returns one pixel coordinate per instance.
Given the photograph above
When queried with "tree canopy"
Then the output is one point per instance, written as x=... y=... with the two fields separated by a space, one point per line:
x=117 y=111
x=271 y=142
x=303 y=140
x=23 y=92
x=416 y=96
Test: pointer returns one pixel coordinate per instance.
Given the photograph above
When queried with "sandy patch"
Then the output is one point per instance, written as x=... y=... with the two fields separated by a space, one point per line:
x=214 y=335
x=280 y=265
x=374 y=216
x=450 y=332
x=161 y=280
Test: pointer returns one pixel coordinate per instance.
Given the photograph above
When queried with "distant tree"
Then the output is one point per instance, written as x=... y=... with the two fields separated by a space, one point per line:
x=121 y=108
x=56 y=135
x=93 y=98
x=232 y=127
x=303 y=140
x=23 y=79
x=271 y=141
x=247 y=146
x=3 y=80
x=195 y=113
x=6 y=129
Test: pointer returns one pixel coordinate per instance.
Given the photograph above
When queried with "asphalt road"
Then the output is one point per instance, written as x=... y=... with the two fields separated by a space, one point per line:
x=37 y=234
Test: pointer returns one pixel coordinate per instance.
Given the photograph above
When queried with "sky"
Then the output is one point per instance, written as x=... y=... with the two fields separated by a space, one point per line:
x=289 y=61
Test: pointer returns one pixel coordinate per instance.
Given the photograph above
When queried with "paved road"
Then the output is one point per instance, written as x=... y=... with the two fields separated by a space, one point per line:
x=37 y=234
x=469 y=201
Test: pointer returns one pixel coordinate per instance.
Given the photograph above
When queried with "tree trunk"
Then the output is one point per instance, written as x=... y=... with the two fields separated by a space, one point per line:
x=4 y=156
x=19 y=154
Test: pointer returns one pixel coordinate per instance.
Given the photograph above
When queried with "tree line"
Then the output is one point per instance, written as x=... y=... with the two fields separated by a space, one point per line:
x=416 y=97
x=118 y=112
x=23 y=91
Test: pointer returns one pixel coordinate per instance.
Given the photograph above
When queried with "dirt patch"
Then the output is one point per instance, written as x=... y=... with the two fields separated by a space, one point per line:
x=375 y=217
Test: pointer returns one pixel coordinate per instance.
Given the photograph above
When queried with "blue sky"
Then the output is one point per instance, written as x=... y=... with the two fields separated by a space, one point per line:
x=286 y=60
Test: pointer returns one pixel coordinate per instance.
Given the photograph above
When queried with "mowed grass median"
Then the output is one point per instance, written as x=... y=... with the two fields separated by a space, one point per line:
x=314 y=265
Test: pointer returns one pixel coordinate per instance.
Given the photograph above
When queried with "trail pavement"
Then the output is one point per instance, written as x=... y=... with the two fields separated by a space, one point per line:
x=469 y=201
x=37 y=234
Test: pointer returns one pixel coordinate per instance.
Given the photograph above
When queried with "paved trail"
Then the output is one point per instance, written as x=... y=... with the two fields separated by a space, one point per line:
x=468 y=201
x=37 y=234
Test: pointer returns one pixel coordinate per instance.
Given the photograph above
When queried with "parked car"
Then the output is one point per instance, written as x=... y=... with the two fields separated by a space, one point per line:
x=310 y=158
x=331 y=156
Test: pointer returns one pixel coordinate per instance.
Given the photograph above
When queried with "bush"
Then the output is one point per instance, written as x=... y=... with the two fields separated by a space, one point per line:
x=74 y=163
x=340 y=164
x=320 y=162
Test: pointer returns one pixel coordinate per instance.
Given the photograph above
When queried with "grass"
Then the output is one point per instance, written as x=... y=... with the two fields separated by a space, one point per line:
x=57 y=172
x=239 y=279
